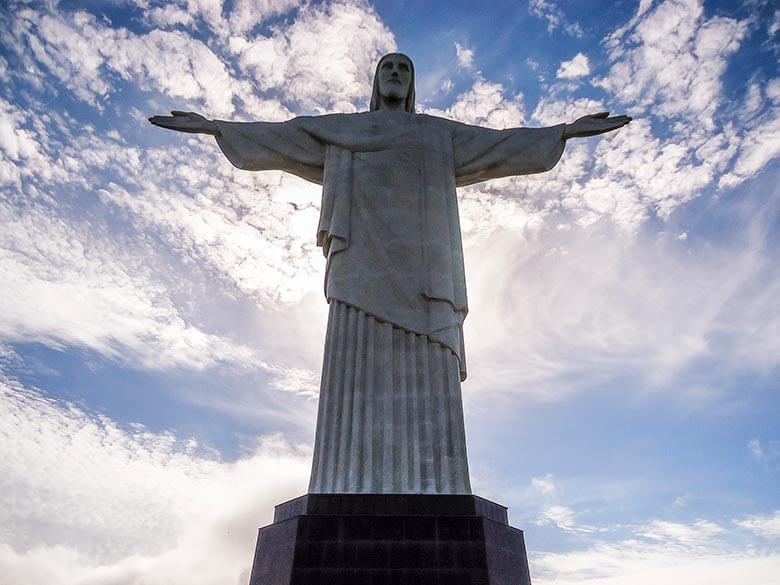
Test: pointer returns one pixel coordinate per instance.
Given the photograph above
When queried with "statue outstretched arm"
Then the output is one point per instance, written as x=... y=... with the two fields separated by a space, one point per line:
x=594 y=124
x=484 y=153
x=186 y=122
x=257 y=146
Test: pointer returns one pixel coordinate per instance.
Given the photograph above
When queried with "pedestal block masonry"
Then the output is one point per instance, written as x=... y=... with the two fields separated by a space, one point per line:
x=390 y=539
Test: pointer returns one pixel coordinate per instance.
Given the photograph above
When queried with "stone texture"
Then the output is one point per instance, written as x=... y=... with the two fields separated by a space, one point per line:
x=373 y=539
x=390 y=230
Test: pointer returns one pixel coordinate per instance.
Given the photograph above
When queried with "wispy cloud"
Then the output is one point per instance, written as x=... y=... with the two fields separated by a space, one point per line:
x=464 y=56
x=767 y=453
x=539 y=333
x=91 y=502
x=555 y=17
x=325 y=60
x=565 y=519
x=83 y=53
x=644 y=563
x=700 y=533
x=65 y=285
x=486 y=104
x=767 y=525
x=699 y=552
x=544 y=485
x=671 y=60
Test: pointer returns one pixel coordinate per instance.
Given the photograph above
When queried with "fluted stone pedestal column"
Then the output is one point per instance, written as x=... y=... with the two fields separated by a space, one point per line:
x=389 y=539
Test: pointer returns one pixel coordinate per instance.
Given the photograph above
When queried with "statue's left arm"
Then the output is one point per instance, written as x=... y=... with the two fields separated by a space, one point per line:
x=483 y=153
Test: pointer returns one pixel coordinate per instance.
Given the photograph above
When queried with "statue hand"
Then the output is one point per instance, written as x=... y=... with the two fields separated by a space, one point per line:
x=594 y=124
x=186 y=122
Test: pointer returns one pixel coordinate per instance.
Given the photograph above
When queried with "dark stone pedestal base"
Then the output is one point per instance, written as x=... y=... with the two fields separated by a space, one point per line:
x=373 y=539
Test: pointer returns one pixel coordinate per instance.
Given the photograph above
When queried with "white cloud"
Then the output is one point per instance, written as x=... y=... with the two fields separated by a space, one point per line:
x=773 y=90
x=19 y=147
x=566 y=310
x=544 y=485
x=247 y=14
x=549 y=11
x=325 y=60
x=642 y=563
x=759 y=146
x=633 y=173
x=660 y=551
x=465 y=56
x=578 y=66
x=671 y=60
x=564 y=518
x=241 y=224
x=682 y=501
x=83 y=53
x=242 y=17
x=754 y=446
x=169 y=15
x=774 y=25
x=765 y=453
x=486 y=104
x=71 y=281
x=668 y=62
x=90 y=502
x=767 y=526
x=753 y=100
x=86 y=55
x=700 y=533
x=65 y=286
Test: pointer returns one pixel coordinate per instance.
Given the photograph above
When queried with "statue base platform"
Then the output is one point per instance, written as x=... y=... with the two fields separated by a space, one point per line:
x=390 y=539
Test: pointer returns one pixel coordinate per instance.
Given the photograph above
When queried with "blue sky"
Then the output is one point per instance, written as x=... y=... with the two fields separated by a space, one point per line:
x=161 y=314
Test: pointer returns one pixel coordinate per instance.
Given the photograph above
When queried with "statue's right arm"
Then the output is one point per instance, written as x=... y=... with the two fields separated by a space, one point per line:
x=186 y=122
x=257 y=146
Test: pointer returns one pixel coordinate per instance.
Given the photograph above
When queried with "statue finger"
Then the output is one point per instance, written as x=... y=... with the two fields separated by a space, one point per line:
x=601 y=115
x=160 y=120
x=170 y=123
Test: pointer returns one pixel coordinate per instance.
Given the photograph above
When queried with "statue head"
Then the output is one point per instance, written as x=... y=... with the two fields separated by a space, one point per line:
x=394 y=79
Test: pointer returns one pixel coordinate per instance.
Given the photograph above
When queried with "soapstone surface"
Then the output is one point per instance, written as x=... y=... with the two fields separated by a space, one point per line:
x=390 y=417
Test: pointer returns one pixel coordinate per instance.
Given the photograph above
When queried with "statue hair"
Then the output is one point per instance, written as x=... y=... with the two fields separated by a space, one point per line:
x=409 y=102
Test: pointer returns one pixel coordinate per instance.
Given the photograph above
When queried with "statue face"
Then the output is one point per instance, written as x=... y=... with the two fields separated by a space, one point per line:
x=395 y=75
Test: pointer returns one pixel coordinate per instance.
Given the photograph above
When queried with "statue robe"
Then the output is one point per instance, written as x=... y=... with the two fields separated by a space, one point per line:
x=389 y=229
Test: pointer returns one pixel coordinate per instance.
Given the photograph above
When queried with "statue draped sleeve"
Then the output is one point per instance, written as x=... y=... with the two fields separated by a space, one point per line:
x=264 y=146
x=389 y=224
x=296 y=147
x=484 y=153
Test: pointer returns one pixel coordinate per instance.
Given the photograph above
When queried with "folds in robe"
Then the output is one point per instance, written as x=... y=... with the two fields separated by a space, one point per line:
x=389 y=217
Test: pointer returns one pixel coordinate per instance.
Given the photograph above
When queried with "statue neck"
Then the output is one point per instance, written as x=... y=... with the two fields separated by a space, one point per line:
x=390 y=103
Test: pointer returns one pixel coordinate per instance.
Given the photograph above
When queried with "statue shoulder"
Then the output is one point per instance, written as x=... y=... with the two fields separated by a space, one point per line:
x=332 y=121
x=431 y=120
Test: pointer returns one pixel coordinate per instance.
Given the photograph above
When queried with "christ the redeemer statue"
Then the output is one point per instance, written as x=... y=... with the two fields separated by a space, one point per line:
x=390 y=416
